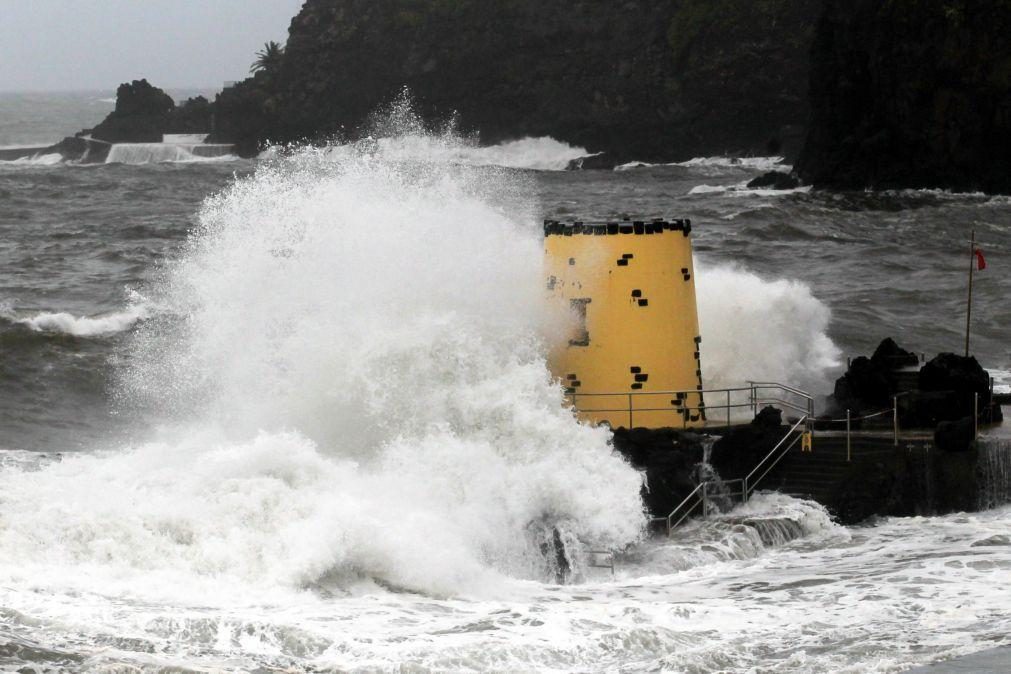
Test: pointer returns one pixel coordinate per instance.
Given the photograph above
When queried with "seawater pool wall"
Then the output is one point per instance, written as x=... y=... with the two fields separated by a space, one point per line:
x=633 y=335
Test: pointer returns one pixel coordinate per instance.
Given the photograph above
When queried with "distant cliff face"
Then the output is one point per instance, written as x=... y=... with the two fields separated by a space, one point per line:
x=644 y=79
x=911 y=93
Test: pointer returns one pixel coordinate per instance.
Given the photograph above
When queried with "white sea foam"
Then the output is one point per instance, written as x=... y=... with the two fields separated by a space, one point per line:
x=755 y=163
x=542 y=154
x=719 y=164
x=742 y=190
x=86 y=326
x=762 y=330
x=51 y=159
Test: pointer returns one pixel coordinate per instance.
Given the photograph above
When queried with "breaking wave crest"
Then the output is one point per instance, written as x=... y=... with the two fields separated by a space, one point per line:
x=351 y=373
x=85 y=326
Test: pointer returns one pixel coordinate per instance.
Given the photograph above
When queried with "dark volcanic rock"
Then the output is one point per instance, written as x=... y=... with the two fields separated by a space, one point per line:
x=738 y=452
x=911 y=93
x=643 y=79
x=602 y=161
x=963 y=377
x=955 y=436
x=869 y=383
x=668 y=457
x=775 y=180
x=141 y=115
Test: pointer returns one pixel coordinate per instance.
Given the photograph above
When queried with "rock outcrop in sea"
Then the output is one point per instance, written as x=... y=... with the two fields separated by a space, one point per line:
x=911 y=94
x=144 y=113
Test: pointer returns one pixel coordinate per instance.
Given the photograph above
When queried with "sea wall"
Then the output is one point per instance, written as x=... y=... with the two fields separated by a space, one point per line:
x=641 y=79
x=910 y=94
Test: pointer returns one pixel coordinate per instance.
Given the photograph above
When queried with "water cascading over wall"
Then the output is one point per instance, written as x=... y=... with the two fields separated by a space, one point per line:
x=994 y=469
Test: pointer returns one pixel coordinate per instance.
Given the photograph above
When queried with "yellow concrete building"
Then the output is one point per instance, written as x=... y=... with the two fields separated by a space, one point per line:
x=631 y=356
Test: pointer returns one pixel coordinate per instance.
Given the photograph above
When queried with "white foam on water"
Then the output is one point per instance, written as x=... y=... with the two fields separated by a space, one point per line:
x=51 y=159
x=756 y=163
x=541 y=154
x=762 y=330
x=742 y=190
x=717 y=165
x=85 y=326
x=1001 y=380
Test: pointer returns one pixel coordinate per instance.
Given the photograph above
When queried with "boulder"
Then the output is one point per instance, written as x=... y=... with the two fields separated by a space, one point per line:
x=869 y=383
x=961 y=378
x=775 y=180
x=601 y=161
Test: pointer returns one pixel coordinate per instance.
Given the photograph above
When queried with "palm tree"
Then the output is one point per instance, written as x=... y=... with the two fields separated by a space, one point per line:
x=268 y=59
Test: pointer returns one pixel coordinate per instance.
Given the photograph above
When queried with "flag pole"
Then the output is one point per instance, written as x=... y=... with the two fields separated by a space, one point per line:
x=968 y=310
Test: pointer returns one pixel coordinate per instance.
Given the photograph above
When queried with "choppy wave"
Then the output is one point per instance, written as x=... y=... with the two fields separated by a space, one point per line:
x=742 y=190
x=84 y=326
x=541 y=154
x=719 y=164
x=1001 y=380
x=52 y=159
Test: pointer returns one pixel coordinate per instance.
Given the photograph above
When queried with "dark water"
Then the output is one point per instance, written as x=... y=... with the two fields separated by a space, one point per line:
x=76 y=240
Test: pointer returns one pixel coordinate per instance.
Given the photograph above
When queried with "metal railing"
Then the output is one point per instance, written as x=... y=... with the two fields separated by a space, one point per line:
x=705 y=492
x=736 y=403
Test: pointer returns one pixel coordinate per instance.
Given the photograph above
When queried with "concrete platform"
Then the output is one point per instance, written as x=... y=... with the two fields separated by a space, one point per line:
x=993 y=661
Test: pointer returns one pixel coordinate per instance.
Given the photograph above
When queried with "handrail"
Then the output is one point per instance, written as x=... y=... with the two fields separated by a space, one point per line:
x=758 y=394
x=768 y=470
x=748 y=484
x=773 y=451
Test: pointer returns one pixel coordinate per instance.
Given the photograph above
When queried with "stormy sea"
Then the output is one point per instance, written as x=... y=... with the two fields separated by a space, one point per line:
x=293 y=414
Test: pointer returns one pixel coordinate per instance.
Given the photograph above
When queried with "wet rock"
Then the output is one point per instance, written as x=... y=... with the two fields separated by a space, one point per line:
x=668 y=458
x=955 y=436
x=775 y=180
x=141 y=115
x=738 y=452
x=869 y=383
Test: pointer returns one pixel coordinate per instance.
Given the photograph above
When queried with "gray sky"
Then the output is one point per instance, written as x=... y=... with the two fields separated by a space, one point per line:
x=52 y=45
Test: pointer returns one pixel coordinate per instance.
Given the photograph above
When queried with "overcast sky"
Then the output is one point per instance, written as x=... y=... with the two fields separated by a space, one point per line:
x=56 y=45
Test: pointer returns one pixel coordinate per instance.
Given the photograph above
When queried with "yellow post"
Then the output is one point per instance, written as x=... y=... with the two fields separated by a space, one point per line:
x=632 y=350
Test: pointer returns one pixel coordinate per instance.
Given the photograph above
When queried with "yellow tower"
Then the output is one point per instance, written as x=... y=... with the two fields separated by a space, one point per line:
x=631 y=358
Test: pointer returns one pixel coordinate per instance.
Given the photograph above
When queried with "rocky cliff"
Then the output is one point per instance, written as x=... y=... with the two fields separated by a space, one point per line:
x=911 y=93
x=642 y=79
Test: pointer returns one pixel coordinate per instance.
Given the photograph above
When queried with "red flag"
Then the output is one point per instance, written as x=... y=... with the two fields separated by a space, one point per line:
x=980 y=260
